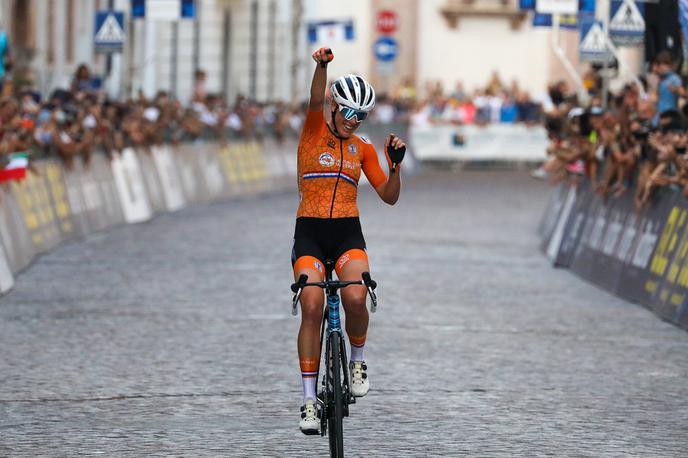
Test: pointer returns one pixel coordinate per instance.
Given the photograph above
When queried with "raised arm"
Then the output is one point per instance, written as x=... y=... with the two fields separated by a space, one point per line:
x=322 y=57
x=390 y=189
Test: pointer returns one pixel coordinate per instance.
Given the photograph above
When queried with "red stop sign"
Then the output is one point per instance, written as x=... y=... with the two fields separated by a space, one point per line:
x=386 y=21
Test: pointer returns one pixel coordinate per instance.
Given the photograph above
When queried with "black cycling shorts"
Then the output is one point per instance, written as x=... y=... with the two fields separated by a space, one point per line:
x=326 y=238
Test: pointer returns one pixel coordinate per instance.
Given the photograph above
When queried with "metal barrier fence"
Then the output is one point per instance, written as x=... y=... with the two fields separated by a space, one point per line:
x=57 y=204
x=471 y=143
x=639 y=256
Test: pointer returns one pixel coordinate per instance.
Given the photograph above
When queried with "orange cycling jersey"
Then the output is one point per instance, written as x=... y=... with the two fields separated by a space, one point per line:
x=329 y=168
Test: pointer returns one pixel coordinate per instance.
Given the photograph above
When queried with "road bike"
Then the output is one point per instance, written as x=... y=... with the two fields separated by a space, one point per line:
x=335 y=397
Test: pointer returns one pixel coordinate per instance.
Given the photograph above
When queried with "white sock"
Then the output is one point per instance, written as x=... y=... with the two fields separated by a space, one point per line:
x=308 y=388
x=356 y=352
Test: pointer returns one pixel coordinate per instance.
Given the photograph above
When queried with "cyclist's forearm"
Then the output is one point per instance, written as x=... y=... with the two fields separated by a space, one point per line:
x=318 y=87
x=392 y=189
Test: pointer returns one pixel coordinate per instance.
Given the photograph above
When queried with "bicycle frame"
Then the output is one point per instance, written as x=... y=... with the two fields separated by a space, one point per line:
x=334 y=326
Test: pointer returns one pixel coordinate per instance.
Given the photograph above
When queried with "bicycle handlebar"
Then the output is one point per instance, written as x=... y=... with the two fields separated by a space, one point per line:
x=302 y=282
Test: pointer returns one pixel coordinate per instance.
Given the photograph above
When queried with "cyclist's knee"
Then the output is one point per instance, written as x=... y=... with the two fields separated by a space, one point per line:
x=312 y=303
x=354 y=298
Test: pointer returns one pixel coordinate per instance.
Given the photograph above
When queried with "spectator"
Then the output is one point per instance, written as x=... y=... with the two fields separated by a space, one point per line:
x=82 y=80
x=6 y=62
x=670 y=86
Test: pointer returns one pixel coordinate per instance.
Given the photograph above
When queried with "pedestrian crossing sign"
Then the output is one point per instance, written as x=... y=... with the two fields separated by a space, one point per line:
x=593 y=46
x=109 y=31
x=626 y=23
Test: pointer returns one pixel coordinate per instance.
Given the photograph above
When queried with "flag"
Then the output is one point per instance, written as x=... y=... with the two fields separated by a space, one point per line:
x=16 y=168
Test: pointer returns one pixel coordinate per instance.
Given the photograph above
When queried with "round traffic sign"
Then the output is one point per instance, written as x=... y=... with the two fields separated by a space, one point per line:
x=386 y=49
x=387 y=21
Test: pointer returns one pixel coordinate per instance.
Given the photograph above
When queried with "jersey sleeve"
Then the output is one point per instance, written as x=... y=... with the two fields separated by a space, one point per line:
x=313 y=123
x=371 y=166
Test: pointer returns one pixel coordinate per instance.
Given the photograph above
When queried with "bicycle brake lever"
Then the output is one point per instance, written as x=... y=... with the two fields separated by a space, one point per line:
x=294 y=302
x=373 y=300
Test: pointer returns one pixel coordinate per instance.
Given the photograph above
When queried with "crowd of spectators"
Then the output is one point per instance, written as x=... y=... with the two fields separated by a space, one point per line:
x=637 y=142
x=74 y=122
x=496 y=102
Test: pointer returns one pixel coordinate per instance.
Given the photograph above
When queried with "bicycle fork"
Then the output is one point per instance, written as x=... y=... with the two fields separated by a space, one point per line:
x=334 y=326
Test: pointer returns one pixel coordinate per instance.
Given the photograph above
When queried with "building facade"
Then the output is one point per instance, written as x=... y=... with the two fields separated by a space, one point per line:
x=260 y=48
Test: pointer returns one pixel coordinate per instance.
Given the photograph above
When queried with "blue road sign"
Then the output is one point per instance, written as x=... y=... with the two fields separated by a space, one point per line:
x=109 y=33
x=593 y=41
x=626 y=23
x=386 y=49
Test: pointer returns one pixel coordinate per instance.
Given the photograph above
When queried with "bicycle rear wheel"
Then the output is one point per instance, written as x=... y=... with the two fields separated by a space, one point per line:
x=334 y=421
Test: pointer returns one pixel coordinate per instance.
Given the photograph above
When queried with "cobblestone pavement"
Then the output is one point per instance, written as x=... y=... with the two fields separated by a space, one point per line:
x=175 y=338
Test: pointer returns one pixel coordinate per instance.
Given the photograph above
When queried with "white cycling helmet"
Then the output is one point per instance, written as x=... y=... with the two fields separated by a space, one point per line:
x=354 y=92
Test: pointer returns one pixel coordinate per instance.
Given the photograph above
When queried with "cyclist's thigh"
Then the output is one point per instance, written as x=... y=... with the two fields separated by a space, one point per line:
x=350 y=267
x=306 y=259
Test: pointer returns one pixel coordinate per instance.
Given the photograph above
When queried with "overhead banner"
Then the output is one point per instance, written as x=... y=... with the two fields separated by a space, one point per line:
x=626 y=23
x=327 y=32
x=566 y=21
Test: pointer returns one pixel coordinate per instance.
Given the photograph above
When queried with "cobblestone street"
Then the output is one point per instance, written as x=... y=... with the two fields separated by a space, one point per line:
x=175 y=338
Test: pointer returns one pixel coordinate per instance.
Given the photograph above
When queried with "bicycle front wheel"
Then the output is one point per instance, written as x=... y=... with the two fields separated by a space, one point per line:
x=334 y=421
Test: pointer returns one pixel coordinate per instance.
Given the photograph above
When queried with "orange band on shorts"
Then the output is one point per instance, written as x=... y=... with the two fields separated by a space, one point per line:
x=309 y=367
x=354 y=254
x=309 y=262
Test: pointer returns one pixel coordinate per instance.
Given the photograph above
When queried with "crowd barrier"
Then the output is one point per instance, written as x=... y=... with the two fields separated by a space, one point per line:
x=639 y=256
x=470 y=143
x=58 y=204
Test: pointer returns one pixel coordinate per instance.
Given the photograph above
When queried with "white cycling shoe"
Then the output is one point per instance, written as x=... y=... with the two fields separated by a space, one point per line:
x=359 y=379
x=310 y=418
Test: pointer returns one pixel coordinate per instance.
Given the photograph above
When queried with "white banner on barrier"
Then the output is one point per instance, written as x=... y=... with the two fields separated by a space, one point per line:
x=6 y=277
x=494 y=142
x=5 y=234
x=558 y=235
x=108 y=190
x=187 y=162
x=151 y=180
x=210 y=167
x=169 y=179
x=130 y=187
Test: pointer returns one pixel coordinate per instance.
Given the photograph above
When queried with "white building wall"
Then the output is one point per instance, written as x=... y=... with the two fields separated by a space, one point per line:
x=469 y=53
x=349 y=56
x=478 y=47
x=210 y=58
x=85 y=11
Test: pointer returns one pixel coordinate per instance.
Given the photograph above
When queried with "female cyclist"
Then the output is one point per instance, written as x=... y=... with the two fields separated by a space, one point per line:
x=330 y=160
